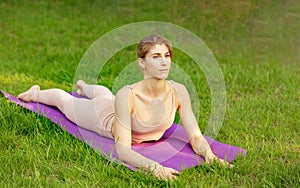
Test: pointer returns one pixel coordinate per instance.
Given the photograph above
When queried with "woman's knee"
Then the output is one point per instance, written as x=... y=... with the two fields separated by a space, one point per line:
x=102 y=90
x=63 y=99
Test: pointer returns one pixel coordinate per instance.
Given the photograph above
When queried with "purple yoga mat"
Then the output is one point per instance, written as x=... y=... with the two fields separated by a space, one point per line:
x=172 y=150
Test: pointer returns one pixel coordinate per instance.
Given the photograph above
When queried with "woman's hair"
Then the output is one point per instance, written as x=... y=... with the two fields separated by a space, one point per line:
x=146 y=43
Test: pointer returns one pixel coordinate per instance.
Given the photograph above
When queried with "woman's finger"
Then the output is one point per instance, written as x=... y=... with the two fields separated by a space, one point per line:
x=169 y=174
x=175 y=172
x=166 y=177
x=225 y=163
x=221 y=161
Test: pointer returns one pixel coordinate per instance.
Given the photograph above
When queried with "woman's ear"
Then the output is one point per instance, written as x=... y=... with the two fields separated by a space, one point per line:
x=141 y=63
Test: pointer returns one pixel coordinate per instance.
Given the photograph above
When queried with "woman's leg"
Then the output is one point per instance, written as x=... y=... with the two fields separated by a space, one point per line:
x=91 y=91
x=52 y=97
x=86 y=113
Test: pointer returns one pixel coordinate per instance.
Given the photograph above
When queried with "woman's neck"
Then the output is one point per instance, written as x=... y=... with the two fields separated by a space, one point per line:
x=153 y=87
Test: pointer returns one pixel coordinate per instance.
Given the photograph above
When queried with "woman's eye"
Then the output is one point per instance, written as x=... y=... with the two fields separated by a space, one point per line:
x=168 y=55
x=155 y=57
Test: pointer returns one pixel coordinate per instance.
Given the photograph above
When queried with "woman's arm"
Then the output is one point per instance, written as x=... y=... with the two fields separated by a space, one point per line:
x=122 y=135
x=197 y=140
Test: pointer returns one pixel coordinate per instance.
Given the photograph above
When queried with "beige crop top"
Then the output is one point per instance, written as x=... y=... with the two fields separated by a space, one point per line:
x=153 y=117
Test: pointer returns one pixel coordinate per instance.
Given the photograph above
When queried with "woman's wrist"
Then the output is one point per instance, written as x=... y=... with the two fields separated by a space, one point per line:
x=154 y=166
x=201 y=146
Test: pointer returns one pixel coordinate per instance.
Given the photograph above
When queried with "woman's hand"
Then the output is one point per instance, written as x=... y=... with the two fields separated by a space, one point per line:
x=210 y=158
x=201 y=147
x=164 y=173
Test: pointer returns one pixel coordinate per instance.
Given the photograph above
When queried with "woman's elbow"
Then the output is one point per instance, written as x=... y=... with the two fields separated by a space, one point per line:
x=122 y=151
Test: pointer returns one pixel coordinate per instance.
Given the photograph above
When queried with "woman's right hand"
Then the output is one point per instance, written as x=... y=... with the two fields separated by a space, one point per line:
x=164 y=173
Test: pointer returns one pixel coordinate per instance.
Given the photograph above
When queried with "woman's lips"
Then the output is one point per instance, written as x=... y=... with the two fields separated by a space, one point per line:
x=163 y=70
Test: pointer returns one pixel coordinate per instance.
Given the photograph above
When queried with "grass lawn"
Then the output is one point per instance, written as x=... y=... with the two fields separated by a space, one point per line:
x=256 y=43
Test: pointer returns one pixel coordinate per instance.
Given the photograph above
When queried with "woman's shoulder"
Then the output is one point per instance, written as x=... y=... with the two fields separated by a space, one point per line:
x=126 y=90
x=179 y=87
x=181 y=93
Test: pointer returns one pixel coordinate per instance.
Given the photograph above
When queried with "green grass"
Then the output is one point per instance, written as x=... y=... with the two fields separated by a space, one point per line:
x=256 y=44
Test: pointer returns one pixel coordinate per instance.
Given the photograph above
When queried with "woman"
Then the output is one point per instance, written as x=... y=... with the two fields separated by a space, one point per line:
x=139 y=112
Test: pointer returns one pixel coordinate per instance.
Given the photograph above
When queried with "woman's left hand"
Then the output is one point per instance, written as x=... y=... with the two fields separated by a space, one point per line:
x=210 y=158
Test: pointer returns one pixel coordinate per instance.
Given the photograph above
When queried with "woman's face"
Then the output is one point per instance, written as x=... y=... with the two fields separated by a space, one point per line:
x=157 y=62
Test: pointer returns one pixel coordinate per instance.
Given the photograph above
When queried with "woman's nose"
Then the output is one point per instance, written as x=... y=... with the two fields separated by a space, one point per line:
x=163 y=61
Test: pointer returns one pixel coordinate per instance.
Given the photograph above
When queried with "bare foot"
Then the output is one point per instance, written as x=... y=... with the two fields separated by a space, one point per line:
x=80 y=84
x=30 y=95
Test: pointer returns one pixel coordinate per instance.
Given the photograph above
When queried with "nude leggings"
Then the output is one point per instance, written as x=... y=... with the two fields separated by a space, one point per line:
x=95 y=112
